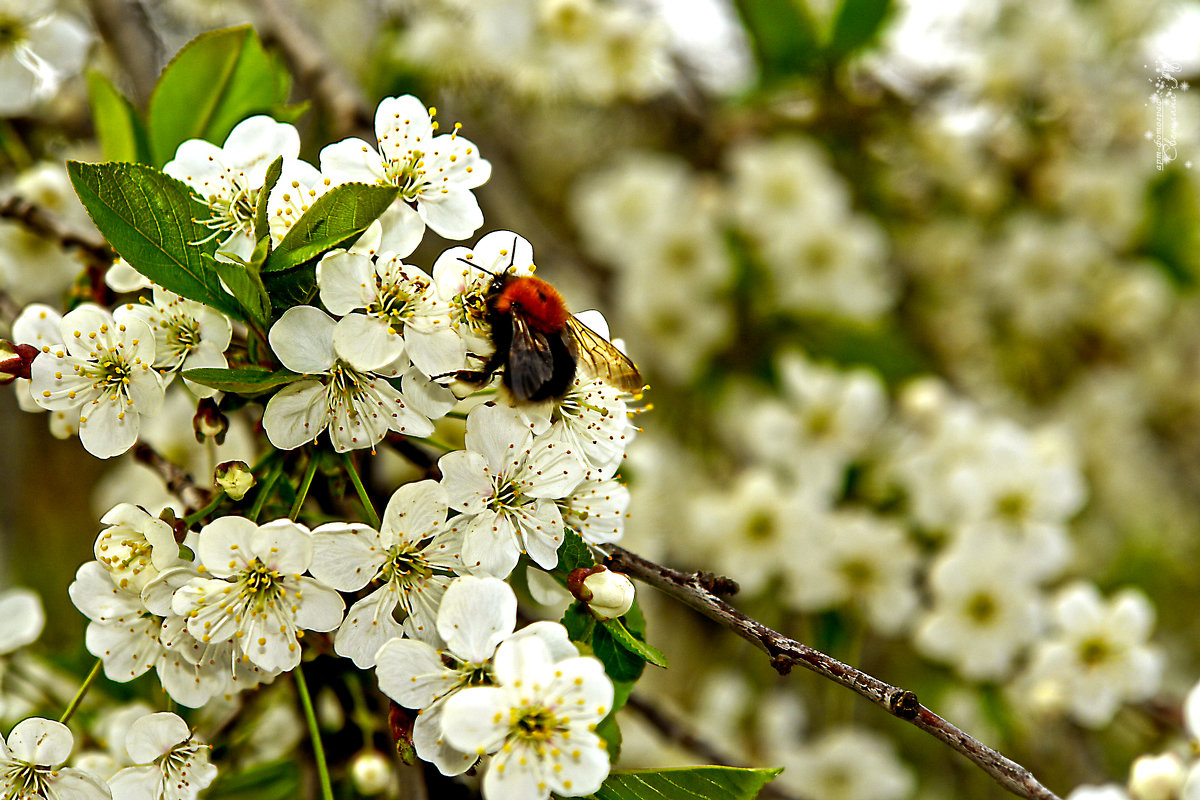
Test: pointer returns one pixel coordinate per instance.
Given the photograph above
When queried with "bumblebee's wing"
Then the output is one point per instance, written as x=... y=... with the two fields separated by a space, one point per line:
x=530 y=360
x=600 y=358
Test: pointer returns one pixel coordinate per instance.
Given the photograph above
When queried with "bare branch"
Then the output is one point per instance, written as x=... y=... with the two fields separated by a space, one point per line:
x=340 y=99
x=690 y=589
x=179 y=482
x=50 y=226
x=125 y=27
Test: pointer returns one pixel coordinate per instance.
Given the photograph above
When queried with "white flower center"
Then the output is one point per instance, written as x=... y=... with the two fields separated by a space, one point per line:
x=176 y=763
x=347 y=388
x=179 y=334
x=507 y=494
x=233 y=213
x=24 y=781
x=108 y=368
x=534 y=724
x=405 y=567
x=259 y=587
x=398 y=300
x=407 y=173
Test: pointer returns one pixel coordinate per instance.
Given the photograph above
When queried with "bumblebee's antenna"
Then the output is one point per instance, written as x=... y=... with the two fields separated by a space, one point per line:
x=512 y=258
x=471 y=263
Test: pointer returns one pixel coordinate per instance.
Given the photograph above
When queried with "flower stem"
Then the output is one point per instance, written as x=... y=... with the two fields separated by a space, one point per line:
x=265 y=489
x=304 y=486
x=438 y=443
x=83 y=690
x=372 y=517
x=192 y=519
x=315 y=734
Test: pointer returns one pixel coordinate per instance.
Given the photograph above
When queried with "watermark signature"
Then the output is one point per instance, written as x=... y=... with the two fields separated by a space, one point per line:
x=1165 y=132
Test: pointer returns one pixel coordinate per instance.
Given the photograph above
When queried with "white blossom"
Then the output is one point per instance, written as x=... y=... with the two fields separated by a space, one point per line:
x=411 y=558
x=403 y=315
x=504 y=485
x=436 y=173
x=187 y=334
x=103 y=374
x=41 y=49
x=357 y=407
x=31 y=764
x=1096 y=656
x=986 y=609
x=257 y=595
x=230 y=178
x=537 y=721
x=475 y=616
x=170 y=764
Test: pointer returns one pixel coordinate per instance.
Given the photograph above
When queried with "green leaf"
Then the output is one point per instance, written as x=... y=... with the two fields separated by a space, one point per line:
x=277 y=780
x=573 y=553
x=244 y=281
x=608 y=729
x=579 y=621
x=857 y=24
x=213 y=83
x=120 y=130
x=261 y=228
x=686 y=783
x=250 y=380
x=148 y=219
x=616 y=629
x=293 y=287
x=620 y=664
x=783 y=37
x=336 y=217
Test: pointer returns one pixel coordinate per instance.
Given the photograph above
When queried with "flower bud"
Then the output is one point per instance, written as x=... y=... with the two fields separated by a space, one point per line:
x=15 y=360
x=608 y=594
x=209 y=422
x=234 y=478
x=1158 y=777
x=400 y=722
x=370 y=771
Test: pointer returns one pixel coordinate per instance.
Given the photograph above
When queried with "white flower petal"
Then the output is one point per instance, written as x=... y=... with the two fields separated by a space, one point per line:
x=154 y=735
x=411 y=673
x=347 y=282
x=303 y=339
x=346 y=556
x=296 y=414
x=368 y=343
x=475 y=616
x=368 y=626
x=40 y=741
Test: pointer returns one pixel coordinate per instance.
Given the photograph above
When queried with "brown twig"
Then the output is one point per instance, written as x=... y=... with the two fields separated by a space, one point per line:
x=677 y=730
x=9 y=308
x=126 y=28
x=340 y=99
x=44 y=223
x=785 y=653
x=179 y=482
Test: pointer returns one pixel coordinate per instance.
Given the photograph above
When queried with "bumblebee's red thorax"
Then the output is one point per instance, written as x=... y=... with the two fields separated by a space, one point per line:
x=536 y=301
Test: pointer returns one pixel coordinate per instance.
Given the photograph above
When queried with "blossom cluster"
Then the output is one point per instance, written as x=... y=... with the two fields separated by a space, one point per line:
x=385 y=348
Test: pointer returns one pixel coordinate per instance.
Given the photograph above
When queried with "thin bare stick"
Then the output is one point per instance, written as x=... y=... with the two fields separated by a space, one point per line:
x=49 y=225
x=126 y=28
x=694 y=590
x=339 y=98
x=179 y=482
